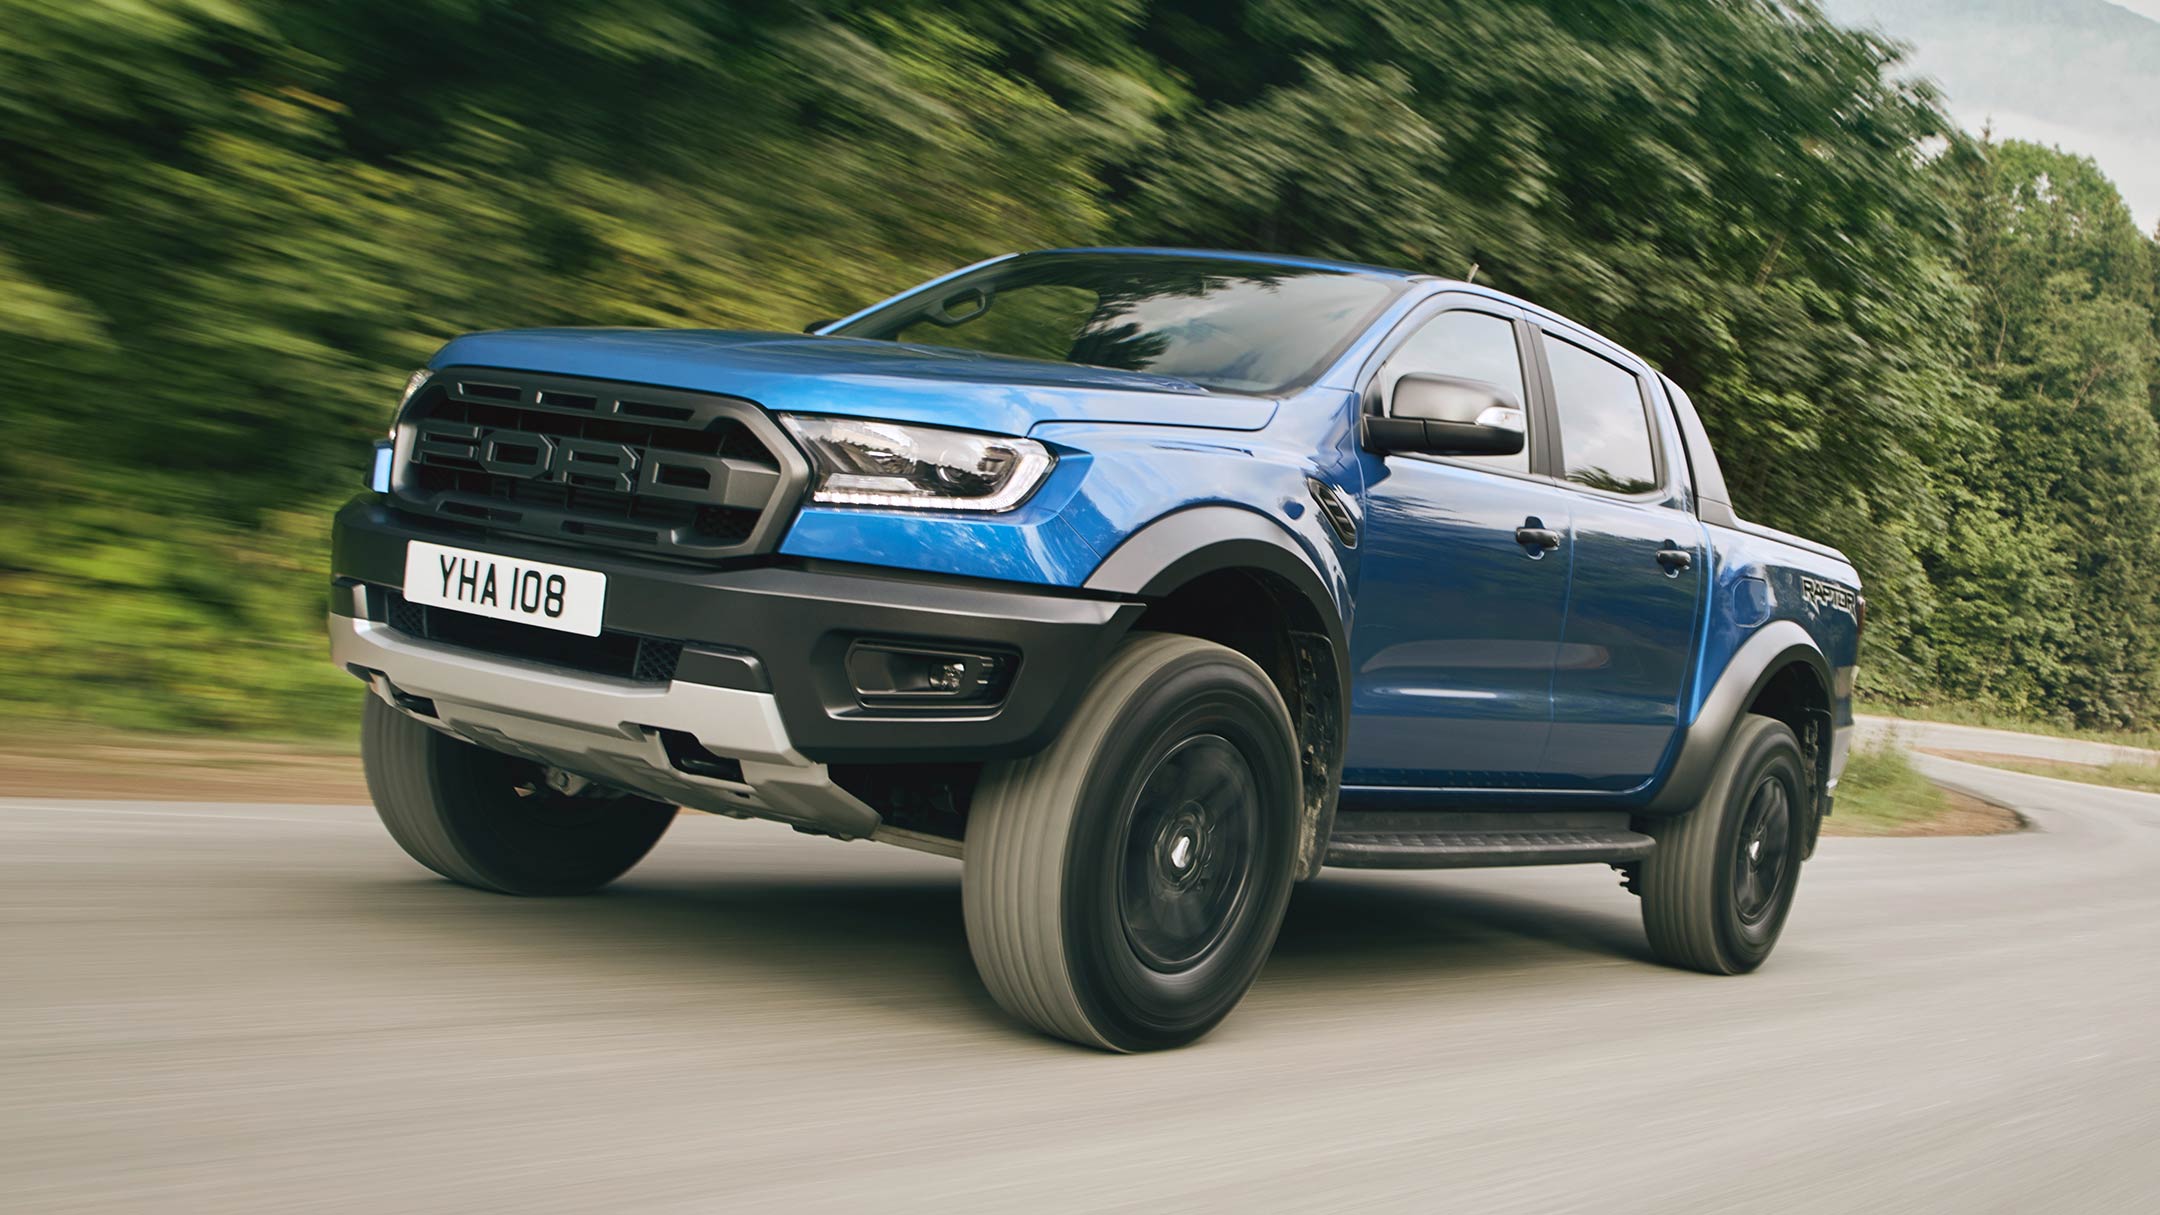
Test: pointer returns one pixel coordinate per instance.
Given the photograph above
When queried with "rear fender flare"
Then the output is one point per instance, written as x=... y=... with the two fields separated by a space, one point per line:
x=1774 y=647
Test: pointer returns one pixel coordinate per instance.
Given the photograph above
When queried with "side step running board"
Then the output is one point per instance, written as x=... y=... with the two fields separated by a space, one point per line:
x=1444 y=840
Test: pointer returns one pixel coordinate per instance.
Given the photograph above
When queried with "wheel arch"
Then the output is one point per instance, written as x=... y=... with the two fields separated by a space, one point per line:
x=1202 y=571
x=1779 y=672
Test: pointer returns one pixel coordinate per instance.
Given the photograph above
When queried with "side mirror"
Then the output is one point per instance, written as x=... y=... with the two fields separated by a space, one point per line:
x=1444 y=415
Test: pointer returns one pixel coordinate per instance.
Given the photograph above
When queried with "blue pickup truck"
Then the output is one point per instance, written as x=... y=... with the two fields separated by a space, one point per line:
x=1144 y=582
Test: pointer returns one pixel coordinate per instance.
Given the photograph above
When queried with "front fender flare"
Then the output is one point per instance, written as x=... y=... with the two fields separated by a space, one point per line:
x=1201 y=540
x=1184 y=545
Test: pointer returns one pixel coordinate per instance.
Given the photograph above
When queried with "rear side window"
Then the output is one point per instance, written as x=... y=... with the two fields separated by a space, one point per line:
x=1604 y=430
x=1472 y=346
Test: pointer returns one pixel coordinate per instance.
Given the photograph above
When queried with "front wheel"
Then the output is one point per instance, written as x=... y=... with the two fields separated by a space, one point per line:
x=1124 y=885
x=1716 y=892
x=486 y=820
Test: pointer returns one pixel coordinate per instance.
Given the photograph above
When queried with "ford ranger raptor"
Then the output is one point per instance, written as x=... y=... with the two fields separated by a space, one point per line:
x=1145 y=583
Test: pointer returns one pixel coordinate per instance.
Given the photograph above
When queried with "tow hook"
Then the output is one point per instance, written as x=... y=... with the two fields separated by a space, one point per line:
x=569 y=784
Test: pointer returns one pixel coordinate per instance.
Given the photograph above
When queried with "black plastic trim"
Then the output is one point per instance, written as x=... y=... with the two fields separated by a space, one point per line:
x=796 y=624
x=1181 y=546
x=775 y=493
x=1341 y=517
x=719 y=668
x=1474 y=839
x=1777 y=645
x=1200 y=540
x=1713 y=502
x=1547 y=461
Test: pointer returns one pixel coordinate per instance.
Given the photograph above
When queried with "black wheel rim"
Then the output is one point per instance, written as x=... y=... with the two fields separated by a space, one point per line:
x=1186 y=863
x=1762 y=861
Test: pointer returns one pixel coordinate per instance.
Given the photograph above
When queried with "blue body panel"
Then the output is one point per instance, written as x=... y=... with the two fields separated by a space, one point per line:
x=789 y=373
x=1476 y=672
x=1758 y=581
x=1467 y=703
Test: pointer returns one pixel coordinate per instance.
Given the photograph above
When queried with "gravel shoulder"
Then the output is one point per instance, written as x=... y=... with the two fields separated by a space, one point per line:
x=40 y=760
x=44 y=761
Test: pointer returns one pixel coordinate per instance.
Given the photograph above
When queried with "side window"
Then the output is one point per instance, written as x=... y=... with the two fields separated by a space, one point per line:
x=1473 y=346
x=1604 y=431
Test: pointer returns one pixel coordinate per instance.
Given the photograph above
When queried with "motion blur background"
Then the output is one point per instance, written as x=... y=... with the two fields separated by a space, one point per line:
x=228 y=228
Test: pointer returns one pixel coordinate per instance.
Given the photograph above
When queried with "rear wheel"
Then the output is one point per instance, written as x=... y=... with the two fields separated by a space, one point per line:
x=486 y=820
x=1124 y=885
x=1717 y=890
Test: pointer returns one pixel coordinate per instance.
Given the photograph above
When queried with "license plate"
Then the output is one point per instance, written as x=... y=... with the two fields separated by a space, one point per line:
x=506 y=588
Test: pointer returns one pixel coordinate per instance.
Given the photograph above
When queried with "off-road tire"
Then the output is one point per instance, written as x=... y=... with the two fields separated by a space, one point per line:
x=456 y=808
x=1700 y=906
x=1150 y=776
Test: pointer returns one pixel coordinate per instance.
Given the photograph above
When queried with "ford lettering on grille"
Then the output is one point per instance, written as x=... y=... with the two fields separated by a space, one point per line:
x=598 y=464
x=584 y=463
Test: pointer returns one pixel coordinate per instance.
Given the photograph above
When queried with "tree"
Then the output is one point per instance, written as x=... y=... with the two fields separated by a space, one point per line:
x=2063 y=493
x=1734 y=189
x=228 y=228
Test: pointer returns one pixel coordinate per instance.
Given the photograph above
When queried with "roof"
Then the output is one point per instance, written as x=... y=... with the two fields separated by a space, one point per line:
x=1231 y=255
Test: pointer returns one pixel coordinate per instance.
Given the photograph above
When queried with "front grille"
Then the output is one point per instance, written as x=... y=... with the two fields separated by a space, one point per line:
x=622 y=655
x=597 y=464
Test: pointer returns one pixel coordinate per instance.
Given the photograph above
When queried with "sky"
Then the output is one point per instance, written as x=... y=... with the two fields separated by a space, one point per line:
x=2083 y=75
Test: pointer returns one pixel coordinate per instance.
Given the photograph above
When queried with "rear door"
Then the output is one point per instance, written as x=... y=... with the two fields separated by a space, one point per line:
x=1638 y=571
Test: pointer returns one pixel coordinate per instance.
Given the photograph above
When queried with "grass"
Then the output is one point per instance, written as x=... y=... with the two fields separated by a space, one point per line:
x=1973 y=715
x=2144 y=778
x=1881 y=793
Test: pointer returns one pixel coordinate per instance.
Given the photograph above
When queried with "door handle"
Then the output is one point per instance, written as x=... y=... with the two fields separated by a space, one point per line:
x=1675 y=559
x=1534 y=534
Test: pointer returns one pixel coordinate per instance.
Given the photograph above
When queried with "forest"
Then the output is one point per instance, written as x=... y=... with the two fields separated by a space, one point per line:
x=229 y=228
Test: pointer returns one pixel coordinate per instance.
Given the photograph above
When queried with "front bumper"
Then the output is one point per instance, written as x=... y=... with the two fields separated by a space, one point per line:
x=607 y=730
x=761 y=680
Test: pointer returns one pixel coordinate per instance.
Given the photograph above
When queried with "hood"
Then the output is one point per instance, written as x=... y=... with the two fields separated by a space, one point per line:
x=856 y=377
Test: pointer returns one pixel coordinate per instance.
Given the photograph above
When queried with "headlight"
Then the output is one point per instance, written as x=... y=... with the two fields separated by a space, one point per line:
x=857 y=463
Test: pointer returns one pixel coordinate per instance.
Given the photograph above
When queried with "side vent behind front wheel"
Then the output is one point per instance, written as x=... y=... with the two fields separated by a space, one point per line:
x=1341 y=519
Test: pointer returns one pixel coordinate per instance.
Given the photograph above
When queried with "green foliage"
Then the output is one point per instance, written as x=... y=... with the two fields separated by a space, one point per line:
x=1881 y=793
x=1734 y=190
x=229 y=227
x=2049 y=563
x=1932 y=353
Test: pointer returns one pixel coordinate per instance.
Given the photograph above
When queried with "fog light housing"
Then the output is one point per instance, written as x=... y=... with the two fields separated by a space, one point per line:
x=887 y=674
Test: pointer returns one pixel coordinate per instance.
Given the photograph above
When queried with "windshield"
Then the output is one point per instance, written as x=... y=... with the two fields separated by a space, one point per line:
x=1229 y=326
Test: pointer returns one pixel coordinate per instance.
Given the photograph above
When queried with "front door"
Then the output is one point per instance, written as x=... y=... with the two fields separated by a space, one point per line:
x=1639 y=569
x=1460 y=591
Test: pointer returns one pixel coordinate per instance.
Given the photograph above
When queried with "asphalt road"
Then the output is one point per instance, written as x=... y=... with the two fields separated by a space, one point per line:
x=269 y=1008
